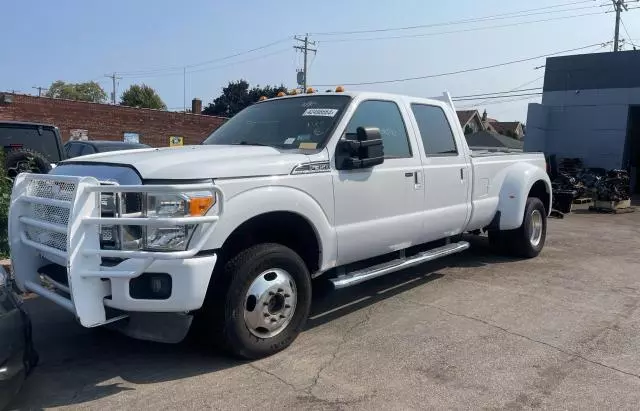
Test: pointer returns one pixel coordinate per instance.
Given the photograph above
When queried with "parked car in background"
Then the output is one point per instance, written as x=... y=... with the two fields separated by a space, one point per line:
x=77 y=148
x=32 y=147
x=17 y=356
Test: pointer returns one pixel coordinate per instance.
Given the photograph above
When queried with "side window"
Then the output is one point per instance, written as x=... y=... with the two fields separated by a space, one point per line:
x=73 y=149
x=87 y=149
x=386 y=116
x=435 y=130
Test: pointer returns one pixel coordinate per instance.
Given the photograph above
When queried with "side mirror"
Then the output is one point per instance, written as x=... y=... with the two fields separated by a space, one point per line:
x=365 y=151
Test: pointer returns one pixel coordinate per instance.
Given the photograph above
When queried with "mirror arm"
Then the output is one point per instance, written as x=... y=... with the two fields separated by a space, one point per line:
x=364 y=163
x=356 y=145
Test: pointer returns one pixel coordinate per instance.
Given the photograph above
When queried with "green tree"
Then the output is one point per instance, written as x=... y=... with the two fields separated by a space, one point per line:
x=90 y=91
x=142 y=96
x=237 y=95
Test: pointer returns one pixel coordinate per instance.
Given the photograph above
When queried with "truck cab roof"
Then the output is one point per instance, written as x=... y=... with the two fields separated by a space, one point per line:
x=368 y=95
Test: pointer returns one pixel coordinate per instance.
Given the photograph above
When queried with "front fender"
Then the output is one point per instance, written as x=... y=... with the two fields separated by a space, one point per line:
x=262 y=200
x=519 y=179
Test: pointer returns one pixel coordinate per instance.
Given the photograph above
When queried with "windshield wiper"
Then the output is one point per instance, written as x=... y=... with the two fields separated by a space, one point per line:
x=246 y=143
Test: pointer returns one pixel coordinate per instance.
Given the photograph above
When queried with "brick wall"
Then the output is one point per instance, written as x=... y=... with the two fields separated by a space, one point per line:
x=108 y=122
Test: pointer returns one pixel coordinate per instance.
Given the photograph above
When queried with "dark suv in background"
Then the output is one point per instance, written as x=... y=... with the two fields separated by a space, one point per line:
x=76 y=148
x=31 y=147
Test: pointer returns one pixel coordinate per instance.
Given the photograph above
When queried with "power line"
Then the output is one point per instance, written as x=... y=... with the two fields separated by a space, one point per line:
x=472 y=20
x=460 y=71
x=181 y=72
x=492 y=97
x=516 y=88
x=202 y=63
x=507 y=100
x=500 y=93
x=628 y=35
x=404 y=36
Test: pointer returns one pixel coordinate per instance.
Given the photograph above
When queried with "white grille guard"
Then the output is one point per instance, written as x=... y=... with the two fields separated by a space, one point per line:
x=82 y=253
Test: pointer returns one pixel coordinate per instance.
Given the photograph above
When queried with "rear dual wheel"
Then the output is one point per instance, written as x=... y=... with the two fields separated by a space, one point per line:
x=528 y=240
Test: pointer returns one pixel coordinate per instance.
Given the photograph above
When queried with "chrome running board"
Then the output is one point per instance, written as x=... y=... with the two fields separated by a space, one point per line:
x=360 y=276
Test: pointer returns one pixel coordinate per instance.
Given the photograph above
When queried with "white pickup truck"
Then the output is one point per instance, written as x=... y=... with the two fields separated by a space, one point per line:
x=229 y=234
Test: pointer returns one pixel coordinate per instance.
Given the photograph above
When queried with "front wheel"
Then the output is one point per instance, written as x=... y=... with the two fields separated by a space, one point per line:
x=267 y=301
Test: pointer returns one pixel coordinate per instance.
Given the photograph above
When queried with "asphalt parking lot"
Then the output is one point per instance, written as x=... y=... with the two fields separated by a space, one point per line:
x=471 y=331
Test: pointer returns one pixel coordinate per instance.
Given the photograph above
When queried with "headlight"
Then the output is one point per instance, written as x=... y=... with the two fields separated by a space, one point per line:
x=160 y=205
x=152 y=205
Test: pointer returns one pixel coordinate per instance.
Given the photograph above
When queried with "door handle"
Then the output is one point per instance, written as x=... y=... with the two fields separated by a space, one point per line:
x=408 y=175
x=462 y=174
x=417 y=180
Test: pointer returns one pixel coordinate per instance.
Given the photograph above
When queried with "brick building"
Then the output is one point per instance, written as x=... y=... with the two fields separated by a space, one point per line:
x=109 y=122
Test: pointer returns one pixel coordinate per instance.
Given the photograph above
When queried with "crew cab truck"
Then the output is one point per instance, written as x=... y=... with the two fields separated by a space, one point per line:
x=227 y=236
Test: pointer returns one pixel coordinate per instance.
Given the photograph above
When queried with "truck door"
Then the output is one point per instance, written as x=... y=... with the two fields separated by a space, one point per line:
x=447 y=174
x=377 y=209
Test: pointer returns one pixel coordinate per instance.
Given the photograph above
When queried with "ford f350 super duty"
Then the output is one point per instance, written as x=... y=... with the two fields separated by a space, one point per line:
x=227 y=236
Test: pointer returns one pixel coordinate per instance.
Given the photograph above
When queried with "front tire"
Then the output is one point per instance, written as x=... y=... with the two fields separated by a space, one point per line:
x=267 y=301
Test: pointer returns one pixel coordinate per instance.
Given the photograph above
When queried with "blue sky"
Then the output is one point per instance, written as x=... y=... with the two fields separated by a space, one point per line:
x=76 y=41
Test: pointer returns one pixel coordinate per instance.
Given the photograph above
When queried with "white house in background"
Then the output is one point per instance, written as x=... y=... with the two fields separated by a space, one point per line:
x=470 y=121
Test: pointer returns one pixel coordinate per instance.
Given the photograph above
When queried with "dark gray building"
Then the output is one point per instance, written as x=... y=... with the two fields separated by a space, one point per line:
x=590 y=109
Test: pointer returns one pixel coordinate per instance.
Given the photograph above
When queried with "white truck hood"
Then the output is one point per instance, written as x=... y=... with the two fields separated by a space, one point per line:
x=199 y=162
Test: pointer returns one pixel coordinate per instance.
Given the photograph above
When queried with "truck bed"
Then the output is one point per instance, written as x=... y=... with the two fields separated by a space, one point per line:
x=489 y=172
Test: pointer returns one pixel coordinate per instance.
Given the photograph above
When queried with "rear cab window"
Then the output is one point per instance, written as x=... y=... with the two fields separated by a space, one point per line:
x=435 y=130
x=41 y=139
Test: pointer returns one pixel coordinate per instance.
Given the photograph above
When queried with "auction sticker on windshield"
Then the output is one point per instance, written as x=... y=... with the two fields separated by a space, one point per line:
x=320 y=112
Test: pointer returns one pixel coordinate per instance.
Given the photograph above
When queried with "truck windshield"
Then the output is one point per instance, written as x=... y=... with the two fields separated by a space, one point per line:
x=289 y=123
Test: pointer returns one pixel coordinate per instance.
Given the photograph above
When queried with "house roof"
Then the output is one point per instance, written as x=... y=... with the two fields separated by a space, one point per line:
x=504 y=126
x=490 y=139
x=464 y=116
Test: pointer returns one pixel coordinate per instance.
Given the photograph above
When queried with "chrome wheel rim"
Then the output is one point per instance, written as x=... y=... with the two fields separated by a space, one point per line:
x=270 y=303
x=535 y=228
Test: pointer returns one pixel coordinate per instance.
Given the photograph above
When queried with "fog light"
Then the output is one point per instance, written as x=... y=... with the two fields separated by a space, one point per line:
x=150 y=286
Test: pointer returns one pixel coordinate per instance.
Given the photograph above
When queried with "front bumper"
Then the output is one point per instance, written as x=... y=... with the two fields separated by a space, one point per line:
x=57 y=219
x=189 y=279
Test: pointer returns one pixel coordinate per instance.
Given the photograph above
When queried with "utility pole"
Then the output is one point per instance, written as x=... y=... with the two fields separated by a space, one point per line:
x=113 y=77
x=184 y=89
x=305 y=49
x=618 y=5
x=40 y=89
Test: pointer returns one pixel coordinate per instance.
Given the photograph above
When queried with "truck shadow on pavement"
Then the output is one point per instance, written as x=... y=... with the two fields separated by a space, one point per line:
x=79 y=365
